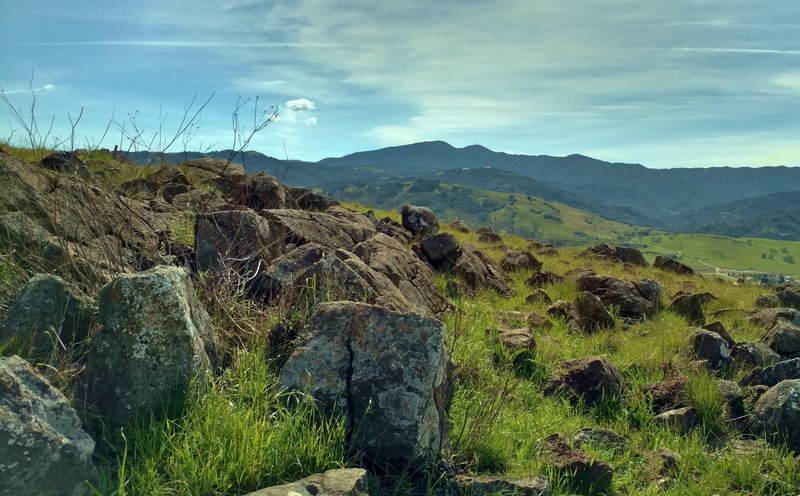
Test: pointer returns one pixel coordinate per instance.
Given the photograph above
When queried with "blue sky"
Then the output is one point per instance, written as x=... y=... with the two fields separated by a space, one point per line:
x=679 y=83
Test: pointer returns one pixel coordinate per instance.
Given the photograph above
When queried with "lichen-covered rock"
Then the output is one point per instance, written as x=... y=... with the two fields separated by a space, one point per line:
x=491 y=486
x=155 y=338
x=776 y=414
x=593 y=315
x=43 y=449
x=769 y=376
x=335 y=228
x=419 y=221
x=540 y=279
x=47 y=316
x=689 y=306
x=588 y=379
x=478 y=271
x=441 y=250
x=336 y=482
x=707 y=345
x=386 y=372
x=783 y=337
x=747 y=354
x=519 y=260
x=770 y=316
x=635 y=301
x=231 y=239
x=682 y=419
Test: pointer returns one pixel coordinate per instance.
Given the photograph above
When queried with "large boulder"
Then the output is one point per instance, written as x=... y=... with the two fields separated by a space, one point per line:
x=690 y=307
x=43 y=449
x=539 y=279
x=419 y=221
x=336 y=482
x=707 y=345
x=776 y=414
x=634 y=300
x=770 y=316
x=668 y=264
x=384 y=371
x=783 y=337
x=63 y=161
x=441 y=250
x=155 y=338
x=587 y=379
x=47 y=316
x=478 y=271
x=261 y=191
x=593 y=315
x=335 y=228
x=747 y=355
x=668 y=394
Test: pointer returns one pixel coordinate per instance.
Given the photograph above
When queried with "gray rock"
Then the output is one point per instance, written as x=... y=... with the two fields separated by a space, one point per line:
x=592 y=313
x=43 y=449
x=419 y=221
x=635 y=301
x=588 y=379
x=479 y=271
x=600 y=436
x=689 y=306
x=616 y=254
x=384 y=371
x=783 y=337
x=717 y=327
x=261 y=191
x=682 y=419
x=155 y=338
x=668 y=264
x=538 y=295
x=47 y=316
x=486 y=486
x=770 y=376
x=441 y=250
x=334 y=229
x=583 y=471
x=65 y=162
x=707 y=345
x=748 y=354
x=540 y=279
x=770 y=316
x=776 y=414
x=231 y=239
x=337 y=482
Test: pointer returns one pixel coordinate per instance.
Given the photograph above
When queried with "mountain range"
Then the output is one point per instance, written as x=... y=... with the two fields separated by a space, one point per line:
x=739 y=202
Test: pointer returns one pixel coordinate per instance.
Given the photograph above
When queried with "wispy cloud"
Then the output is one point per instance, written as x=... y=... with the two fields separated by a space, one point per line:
x=46 y=87
x=175 y=44
x=745 y=51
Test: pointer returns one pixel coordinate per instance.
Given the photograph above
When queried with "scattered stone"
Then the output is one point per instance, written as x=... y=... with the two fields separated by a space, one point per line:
x=517 y=340
x=776 y=414
x=583 y=471
x=306 y=199
x=668 y=394
x=441 y=250
x=514 y=260
x=384 y=371
x=669 y=461
x=487 y=486
x=707 y=345
x=635 y=301
x=772 y=375
x=392 y=228
x=47 y=317
x=538 y=295
x=616 y=254
x=770 y=316
x=419 y=221
x=539 y=279
x=261 y=191
x=587 y=379
x=490 y=237
x=784 y=337
x=682 y=419
x=536 y=321
x=689 y=306
x=460 y=226
x=44 y=450
x=568 y=313
x=478 y=271
x=600 y=436
x=336 y=482
x=747 y=355
x=65 y=162
x=593 y=314
x=668 y=264
x=455 y=289
x=768 y=301
x=155 y=338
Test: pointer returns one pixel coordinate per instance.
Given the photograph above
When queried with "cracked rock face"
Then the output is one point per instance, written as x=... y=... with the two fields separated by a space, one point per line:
x=43 y=449
x=155 y=338
x=386 y=372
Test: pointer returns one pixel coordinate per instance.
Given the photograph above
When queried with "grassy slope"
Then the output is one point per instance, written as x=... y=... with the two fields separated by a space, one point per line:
x=236 y=434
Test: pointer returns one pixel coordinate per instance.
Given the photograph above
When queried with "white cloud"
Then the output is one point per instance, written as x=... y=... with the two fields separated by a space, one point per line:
x=311 y=120
x=299 y=105
x=46 y=87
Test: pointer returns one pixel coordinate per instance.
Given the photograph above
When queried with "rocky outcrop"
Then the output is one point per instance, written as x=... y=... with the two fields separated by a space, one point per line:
x=336 y=482
x=335 y=228
x=419 y=221
x=43 y=449
x=747 y=355
x=236 y=239
x=155 y=338
x=478 y=271
x=776 y=414
x=587 y=379
x=668 y=264
x=384 y=371
x=634 y=300
x=616 y=254
x=772 y=375
x=769 y=317
x=47 y=317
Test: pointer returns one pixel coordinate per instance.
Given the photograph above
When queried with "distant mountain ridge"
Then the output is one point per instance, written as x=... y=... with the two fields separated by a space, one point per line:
x=675 y=199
